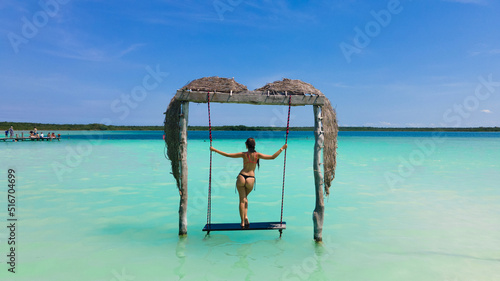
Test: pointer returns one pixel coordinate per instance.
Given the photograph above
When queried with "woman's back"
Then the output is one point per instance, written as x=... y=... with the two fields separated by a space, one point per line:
x=250 y=160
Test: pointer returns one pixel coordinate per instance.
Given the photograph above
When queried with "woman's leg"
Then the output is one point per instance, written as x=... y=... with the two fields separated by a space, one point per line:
x=248 y=188
x=240 y=185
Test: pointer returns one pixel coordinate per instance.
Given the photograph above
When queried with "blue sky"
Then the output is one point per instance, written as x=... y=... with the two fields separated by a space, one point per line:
x=381 y=63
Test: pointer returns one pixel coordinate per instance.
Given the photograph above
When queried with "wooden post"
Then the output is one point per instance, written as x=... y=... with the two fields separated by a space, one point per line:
x=319 y=210
x=183 y=123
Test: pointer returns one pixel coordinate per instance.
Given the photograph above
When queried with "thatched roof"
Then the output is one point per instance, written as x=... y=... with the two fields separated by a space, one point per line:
x=292 y=87
x=215 y=84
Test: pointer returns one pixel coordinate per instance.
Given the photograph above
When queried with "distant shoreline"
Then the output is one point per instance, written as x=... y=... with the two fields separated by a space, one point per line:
x=24 y=126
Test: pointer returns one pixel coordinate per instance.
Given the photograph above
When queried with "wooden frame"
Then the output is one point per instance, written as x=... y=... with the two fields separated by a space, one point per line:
x=257 y=98
x=249 y=97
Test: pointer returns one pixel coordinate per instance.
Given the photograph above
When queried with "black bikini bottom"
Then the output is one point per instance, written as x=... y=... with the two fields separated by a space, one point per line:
x=246 y=177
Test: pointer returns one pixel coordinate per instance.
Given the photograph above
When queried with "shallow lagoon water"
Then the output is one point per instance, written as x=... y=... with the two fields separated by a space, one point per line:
x=103 y=206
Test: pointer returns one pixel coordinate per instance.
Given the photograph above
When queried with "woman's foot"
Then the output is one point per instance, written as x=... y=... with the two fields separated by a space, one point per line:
x=247 y=224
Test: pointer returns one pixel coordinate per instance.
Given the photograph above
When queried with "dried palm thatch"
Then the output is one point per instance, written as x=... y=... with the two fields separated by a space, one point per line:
x=330 y=130
x=215 y=84
x=172 y=139
x=292 y=87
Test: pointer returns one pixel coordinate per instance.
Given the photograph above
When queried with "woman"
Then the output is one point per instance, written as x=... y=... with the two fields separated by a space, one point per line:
x=246 y=178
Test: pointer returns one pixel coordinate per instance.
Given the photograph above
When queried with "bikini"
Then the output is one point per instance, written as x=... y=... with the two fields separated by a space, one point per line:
x=249 y=161
x=246 y=177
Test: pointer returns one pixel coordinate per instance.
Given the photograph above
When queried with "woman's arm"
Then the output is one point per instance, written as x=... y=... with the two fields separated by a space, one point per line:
x=270 y=157
x=232 y=155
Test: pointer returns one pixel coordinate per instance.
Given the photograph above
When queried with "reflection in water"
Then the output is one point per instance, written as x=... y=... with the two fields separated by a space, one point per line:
x=321 y=254
x=311 y=267
x=180 y=252
x=244 y=258
x=243 y=252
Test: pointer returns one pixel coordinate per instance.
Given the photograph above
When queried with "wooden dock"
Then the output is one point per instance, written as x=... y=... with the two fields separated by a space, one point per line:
x=15 y=139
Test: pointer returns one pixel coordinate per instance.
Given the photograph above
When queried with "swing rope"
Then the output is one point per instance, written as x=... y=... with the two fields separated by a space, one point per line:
x=209 y=208
x=284 y=161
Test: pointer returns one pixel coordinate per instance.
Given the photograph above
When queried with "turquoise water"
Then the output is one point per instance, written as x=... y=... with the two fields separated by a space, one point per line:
x=404 y=206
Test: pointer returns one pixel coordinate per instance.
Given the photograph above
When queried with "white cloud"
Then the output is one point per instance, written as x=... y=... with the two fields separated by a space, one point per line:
x=490 y=52
x=340 y=85
x=79 y=51
x=380 y=124
x=486 y=111
x=416 y=125
x=129 y=49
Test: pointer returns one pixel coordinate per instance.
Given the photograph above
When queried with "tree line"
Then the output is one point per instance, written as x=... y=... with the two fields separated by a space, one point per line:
x=26 y=126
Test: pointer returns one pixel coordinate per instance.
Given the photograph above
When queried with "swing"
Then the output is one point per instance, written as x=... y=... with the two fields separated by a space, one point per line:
x=254 y=225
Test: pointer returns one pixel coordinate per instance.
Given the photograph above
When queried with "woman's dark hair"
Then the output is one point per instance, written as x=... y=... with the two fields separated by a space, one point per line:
x=250 y=144
x=251 y=148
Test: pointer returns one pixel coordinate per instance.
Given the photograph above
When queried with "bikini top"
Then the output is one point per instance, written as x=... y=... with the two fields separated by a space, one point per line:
x=249 y=160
